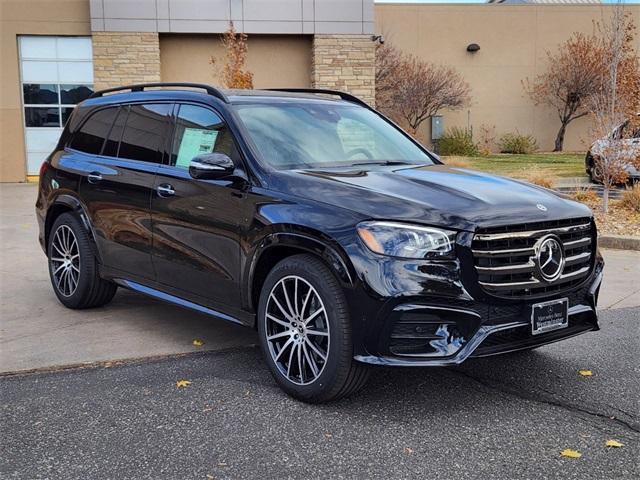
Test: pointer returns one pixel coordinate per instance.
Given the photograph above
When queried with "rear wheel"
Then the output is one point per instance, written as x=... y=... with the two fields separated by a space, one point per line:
x=73 y=267
x=305 y=332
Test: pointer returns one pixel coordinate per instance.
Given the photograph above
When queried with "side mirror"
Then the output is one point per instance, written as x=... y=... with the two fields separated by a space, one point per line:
x=211 y=166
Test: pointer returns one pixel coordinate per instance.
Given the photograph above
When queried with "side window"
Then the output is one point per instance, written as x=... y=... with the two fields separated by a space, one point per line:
x=113 y=140
x=199 y=130
x=145 y=132
x=91 y=136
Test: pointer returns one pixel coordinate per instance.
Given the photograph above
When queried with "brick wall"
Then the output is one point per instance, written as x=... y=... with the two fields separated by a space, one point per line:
x=122 y=58
x=345 y=62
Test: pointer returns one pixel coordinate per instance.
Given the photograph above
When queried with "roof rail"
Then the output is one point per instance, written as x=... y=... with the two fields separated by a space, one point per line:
x=343 y=95
x=141 y=86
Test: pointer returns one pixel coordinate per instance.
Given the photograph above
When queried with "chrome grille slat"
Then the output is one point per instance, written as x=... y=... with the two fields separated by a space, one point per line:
x=534 y=282
x=577 y=258
x=502 y=253
x=532 y=233
x=581 y=242
x=505 y=257
x=518 y=268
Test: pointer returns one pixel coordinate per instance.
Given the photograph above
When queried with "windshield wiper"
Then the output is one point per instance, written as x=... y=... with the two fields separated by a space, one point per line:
x=386 y=162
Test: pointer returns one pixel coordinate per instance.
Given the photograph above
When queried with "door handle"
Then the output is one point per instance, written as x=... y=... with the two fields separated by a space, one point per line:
x=94 y=177
x=165 y=190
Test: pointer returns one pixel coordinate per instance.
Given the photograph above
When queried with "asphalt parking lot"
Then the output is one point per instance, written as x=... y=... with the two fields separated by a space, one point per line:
x=500 y=417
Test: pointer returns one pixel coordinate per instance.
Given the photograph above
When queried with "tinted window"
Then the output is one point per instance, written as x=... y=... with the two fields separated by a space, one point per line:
x=91 y=136
x=199 y=130
x=37 y=93
x=42 y=117
x=113 y=141
x=145 y=132
x=72 y=94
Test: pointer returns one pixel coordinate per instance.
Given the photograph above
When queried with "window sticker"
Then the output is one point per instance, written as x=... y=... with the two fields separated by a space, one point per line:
x=195 y=141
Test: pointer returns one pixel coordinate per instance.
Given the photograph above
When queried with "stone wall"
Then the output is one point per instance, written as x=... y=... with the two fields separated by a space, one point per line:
x=345 y=62
x=123 y=58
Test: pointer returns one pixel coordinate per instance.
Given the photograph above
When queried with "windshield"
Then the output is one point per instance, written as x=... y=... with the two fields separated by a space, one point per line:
x=321 y=135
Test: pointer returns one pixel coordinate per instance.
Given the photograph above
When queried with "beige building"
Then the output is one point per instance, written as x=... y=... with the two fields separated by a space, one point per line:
x=53 y=53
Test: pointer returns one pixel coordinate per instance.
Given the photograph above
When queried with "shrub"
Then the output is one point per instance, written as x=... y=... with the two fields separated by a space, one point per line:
x=585 y=194
x=540 y=178
x=517 y=143
x=458 y=141
x=459 y=162
x=487 y=139
x=631 y=198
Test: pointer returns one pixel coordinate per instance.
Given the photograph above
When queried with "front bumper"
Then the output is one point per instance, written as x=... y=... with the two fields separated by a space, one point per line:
x=443 y=329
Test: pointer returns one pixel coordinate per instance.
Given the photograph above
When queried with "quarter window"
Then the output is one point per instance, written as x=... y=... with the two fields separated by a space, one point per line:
x=145 y=133
x=199 y=130
x=94 y=131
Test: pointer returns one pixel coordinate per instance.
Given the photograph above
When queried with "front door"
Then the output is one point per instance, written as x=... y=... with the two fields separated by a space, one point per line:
x=196 y=250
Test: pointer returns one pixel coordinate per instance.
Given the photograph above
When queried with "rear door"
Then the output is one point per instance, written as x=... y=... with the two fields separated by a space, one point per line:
x=196 y=249
x=119 y=184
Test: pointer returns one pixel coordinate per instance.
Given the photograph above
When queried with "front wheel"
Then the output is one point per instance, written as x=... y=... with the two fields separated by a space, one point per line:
x=305 y=332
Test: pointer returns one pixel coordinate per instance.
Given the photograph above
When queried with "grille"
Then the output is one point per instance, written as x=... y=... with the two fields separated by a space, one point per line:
x=505 y=257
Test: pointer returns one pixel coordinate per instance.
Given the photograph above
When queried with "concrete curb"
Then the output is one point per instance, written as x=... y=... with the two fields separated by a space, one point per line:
x=619 y=242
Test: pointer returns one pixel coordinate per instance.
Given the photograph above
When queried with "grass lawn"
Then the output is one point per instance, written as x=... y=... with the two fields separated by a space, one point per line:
x=556 y=164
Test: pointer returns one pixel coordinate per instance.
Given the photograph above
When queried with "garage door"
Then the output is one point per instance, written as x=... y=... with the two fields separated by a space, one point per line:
x=56 y=73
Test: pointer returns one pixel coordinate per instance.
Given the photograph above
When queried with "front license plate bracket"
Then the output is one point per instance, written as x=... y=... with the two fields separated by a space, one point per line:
x=549 y=316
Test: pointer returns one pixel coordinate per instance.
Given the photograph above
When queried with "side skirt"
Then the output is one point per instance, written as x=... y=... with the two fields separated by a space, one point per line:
x=152 y=292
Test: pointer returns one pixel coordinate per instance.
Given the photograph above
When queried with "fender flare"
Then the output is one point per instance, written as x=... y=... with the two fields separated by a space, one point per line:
x=337 y=261
x=75 y=205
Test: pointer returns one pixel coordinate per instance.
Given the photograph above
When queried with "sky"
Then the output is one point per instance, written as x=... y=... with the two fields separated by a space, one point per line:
x=478 y=1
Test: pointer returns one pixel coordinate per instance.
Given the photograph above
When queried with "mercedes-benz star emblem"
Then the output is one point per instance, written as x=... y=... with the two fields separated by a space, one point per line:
x=541 y=207
x=550 y=258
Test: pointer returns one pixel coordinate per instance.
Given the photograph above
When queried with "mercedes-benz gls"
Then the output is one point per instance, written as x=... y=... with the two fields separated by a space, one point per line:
x=312 y=218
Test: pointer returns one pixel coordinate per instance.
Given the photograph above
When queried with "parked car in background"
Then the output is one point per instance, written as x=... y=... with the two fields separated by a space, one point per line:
x=312 y=218
x=630 y=146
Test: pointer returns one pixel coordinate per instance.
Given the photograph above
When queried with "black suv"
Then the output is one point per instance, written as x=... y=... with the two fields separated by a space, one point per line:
x=311 y=217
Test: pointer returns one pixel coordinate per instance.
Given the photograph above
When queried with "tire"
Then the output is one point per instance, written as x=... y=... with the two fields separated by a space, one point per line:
x=73 y=267
x=327 y=314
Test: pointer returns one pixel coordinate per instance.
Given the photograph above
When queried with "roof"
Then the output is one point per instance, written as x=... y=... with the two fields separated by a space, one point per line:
x=185 y=91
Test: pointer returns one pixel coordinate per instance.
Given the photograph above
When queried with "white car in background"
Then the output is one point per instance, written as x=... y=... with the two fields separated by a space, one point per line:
x=631 y=149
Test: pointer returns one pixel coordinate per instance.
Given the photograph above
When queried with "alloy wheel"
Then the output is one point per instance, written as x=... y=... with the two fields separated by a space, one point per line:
x=297 y=330
x=65 y=260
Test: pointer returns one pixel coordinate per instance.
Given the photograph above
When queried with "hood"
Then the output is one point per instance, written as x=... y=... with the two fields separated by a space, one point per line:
x=432 y=194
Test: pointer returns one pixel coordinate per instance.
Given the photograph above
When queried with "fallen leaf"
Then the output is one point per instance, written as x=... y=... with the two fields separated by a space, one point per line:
x=183 y=383
x=210 y=477
x=614 y=443
x=328 y=435
x=585 y=373
x=197 y=342
x=408 y=450
x=567 y=452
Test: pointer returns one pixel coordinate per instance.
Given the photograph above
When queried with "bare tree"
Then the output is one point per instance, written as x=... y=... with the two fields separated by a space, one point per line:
x=615 y=106
x=234 y=74
x=572 y=76
x=388 y=66
x=411 y=90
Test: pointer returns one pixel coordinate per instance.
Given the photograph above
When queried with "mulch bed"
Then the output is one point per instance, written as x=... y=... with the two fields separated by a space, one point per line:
x=619 y=220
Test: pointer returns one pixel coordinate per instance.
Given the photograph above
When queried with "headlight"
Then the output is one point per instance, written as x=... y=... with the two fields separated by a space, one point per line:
x=407 y=241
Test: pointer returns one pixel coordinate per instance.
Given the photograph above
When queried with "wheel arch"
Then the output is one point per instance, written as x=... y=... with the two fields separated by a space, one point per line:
x=67 y=203
x=280 y=245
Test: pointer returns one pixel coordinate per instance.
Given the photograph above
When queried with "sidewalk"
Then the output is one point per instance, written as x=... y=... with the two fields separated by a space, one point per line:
x=36 y=331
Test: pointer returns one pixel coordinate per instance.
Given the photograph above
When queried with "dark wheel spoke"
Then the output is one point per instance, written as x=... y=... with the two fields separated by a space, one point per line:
x=298 y=350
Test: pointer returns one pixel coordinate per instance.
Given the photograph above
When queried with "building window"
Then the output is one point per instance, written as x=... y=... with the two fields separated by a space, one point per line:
x=56 y=74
